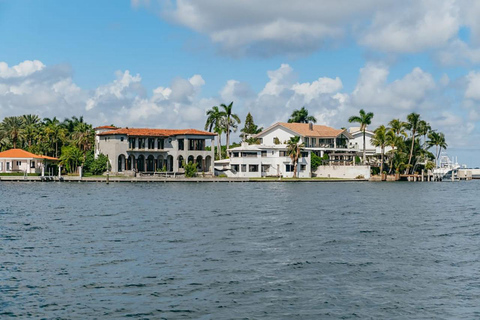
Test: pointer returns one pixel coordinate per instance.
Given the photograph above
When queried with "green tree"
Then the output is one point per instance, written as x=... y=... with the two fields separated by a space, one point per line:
x=71 y=158
x=379 y=139
x=301 y=116
x=231 y=120
x=364 y=119
x=315 y=162
x=83 y=136
x=250 y=127
x=398 y=127
x=214 y=122
x=12 y=128
x=190 y=169
x=294 y=149
x=413 y=121
x=55 y=132
x=437 y=139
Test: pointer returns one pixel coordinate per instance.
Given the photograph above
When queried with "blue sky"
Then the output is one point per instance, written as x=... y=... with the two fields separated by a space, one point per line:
x=163 y=63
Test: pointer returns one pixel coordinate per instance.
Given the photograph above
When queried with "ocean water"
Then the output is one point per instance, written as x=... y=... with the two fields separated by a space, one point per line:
x=240 y=250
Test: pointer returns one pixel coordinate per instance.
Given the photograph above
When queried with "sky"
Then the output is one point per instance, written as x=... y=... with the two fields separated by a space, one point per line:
x=163 y=63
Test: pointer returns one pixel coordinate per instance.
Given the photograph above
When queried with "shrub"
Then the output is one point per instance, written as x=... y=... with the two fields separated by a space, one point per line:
x=316 y=161
x=190 y=169
x=360 y=177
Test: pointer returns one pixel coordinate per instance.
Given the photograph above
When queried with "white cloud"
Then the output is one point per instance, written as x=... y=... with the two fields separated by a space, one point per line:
x=473 y=86
x=22 y=69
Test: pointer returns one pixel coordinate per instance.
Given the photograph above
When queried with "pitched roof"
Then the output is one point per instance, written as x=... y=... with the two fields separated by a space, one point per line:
x=141 y=132
x=303 y=129
x=105 y=127
x=19 y=153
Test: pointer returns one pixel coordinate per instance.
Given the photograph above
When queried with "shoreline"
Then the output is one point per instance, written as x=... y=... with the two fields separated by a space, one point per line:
x=165 y=180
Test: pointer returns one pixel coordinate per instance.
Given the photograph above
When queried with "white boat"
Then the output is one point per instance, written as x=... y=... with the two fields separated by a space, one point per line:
x=447 y=169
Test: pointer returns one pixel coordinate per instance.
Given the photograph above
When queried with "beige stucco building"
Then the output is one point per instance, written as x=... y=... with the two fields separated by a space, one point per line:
x=153 y=150
x=21 y=161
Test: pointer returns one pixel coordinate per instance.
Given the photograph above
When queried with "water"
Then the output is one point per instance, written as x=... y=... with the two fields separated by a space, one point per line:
x=240 y=250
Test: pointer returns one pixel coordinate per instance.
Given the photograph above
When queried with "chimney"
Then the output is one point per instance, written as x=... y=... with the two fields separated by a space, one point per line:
x=310 y=126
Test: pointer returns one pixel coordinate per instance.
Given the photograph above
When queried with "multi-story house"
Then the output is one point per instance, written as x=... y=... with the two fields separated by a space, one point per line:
x=152 y=150
x=270 y=158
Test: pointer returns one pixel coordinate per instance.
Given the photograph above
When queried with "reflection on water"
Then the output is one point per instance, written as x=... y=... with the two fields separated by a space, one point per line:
x=241 y=250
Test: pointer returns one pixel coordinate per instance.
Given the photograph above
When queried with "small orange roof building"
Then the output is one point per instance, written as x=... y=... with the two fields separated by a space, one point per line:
x=18 y=160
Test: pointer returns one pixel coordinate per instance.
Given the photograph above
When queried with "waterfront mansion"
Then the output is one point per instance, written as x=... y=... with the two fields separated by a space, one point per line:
x=151 y=150
x=270 y=158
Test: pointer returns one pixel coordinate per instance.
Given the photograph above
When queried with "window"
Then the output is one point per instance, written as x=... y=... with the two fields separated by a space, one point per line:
x=141 y=143
x=235 y=167
x=273 y=152
x=8 y=166
x=283 y=154
x=19 y=163
x=253 y=168
x=131 y=143
x=314 y=142
x=32 y=164
x=303 y=167
x=160 y=144
x=151 y=143
x=196 y=144
x=121 y=139
x=180 y=144
x=264 y=153
x=244 y=168
x=288 y=168
x=265 y=167
x=304 y=154
x=1 y=166
x=306 y=142
x=235 y=154
x=249 y=154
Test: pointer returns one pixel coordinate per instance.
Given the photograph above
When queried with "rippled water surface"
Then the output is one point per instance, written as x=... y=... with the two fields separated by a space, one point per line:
x=240 y=250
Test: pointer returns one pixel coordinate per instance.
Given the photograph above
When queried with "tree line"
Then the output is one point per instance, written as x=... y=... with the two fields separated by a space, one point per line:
x=71 y=140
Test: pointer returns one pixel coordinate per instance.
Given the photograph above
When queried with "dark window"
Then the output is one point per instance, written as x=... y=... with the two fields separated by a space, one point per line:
x=235 y=154
x=196 y=144
x=264 y=153
x=235 y=167
x=180 y=144
x=141 y=143
x=304 y=155
x=303 y=167
x=161 y=144
x=253 y=168
x=121 y=139
x=131 y=143
x=288 y=168
x=265 y=167
x=32 y=164
x=151 y=143
x=244 y=168
x=283 y=154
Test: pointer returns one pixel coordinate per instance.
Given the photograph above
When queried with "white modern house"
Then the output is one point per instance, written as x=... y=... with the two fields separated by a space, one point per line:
x=131 y=150
x=357 y=142
x=269 y=157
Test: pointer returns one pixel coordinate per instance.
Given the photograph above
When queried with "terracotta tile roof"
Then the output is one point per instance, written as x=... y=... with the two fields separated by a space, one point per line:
x=105 y=127
x=19 y=153
x=318 y=130
x=139 y=132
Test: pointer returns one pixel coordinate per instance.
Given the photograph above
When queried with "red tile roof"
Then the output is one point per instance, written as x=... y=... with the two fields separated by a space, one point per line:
x=303 y=129
x=19 y=153
x=105 y=127
x=140 y=132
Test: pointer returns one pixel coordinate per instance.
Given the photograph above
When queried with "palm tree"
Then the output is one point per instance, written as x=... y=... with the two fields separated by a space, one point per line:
x=379 y=139
x=55 y=132
x=412 y=125
x=84 y=136
x=423 y=130
x=301 y=116
x=214 y=119
x=398 y=127
x=394 y=142
x=437 y=139
x=364 y=120
x=294 y=149
x=12 y=126
x=231 y=119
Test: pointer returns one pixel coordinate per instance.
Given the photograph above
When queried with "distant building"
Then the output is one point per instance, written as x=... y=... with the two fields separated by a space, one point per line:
x=21 y=161
x=150 y=150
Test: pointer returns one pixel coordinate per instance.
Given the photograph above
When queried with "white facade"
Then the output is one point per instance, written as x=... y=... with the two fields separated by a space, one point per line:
x=257 y=161
x=357 y=141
